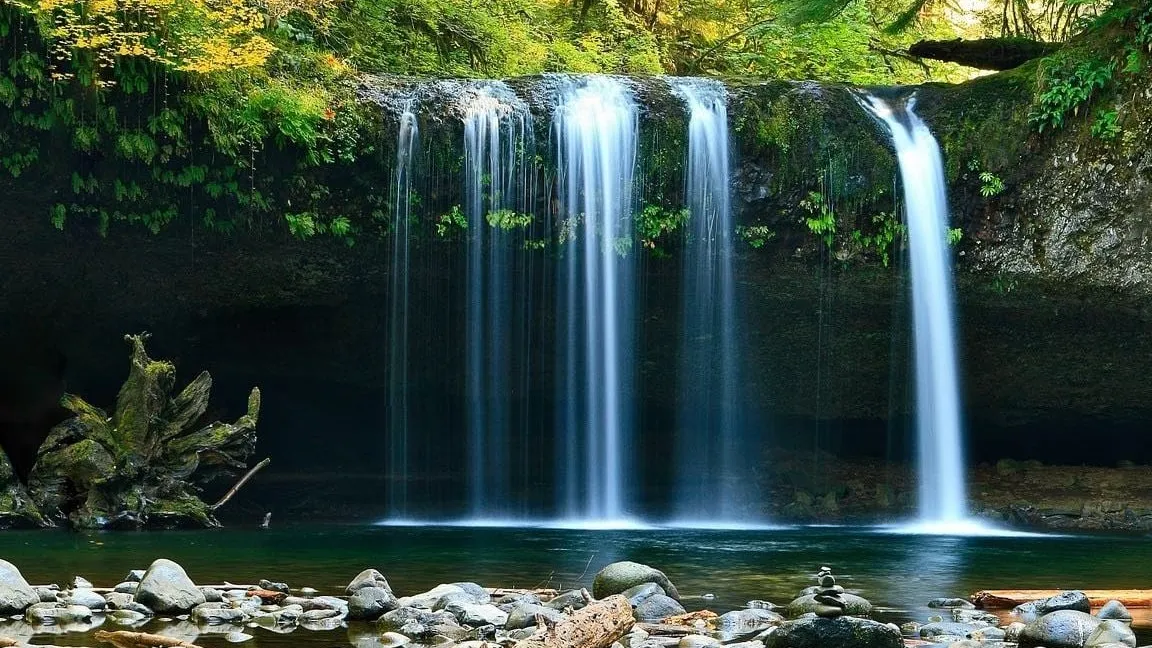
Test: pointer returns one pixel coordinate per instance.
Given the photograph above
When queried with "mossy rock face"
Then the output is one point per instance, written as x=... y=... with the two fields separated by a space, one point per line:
x=144 y=465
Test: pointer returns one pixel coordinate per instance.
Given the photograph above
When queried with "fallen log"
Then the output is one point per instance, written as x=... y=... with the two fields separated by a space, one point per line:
x=542 y=592
x=1005 y=599
x=122 y=639
x=984 y=53
x=598 y=625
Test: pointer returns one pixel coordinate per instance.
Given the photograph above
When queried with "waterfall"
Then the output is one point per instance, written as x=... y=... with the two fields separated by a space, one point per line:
x=595 y=125
x=497 y=127
x=408 y=134
x=942 y=488
x=710 y=467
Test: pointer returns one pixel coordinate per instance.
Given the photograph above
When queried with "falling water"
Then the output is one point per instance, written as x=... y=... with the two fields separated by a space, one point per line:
x=496 y=128
x=943 y=492
x=709 y=466
x=408 y=134
x=595 y=125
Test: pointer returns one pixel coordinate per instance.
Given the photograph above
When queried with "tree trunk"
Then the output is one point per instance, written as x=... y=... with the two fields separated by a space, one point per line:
x=986 y=53
x=598 y=625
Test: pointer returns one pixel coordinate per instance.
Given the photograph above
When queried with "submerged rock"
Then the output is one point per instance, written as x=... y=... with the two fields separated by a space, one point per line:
x=15 y=592
x=951 y=603
x=841 y=632
x=166 y=589
x=1060 y=629
x=620 y=576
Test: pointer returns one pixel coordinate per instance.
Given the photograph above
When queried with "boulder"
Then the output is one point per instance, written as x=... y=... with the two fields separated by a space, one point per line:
x=1069 y=600
x=621 y=576
x=57 y=614
x=841 y=632
x=1112 y=631
x=87 y=598
x=854 y=606
x=15 y=592
x=218 y=614
x=117 y=600
x=368 y=578
x=134 y=576
x=479 y=594
x=166 y=589
x=658 y=607
x=369 y=603
x=428 y=600
x=274 y=586
x=1059 y=629
x=1114 y=610
x=475 y=615
x=47 y=594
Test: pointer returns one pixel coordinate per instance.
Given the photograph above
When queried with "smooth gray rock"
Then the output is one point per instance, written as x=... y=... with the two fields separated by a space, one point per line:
x=166 y=589
x=637 y=595
x=620 y=576
x=47 y=594
x=946 y=629
x=740 y=624
x=1068 y=600
x=523 y=615
x=127 y=617
x=324 y=603
x=854 y=606
x=218 y=614
x=1059 y=629
x=127 y=587
x=212 y=595
x=476 y=615
x=1114 y=610
x=369 y=603
x=79 y=582
x=134 y=576
x=367 y=578
x=841 y=632
x=117 y=600
x=87 y=598
x=16 y=595
x=658 y=607
x=987 y=634
x=758 y=604
x=697 y=641
x=1111 y=631
x=479 y=594
x=429 y=599
x=57 y=614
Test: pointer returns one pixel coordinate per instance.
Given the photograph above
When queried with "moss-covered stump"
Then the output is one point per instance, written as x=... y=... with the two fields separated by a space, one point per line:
x=144 y=465
x=16 y=506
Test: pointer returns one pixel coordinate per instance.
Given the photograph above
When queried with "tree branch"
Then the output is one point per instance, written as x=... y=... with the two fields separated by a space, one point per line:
x=239 y=484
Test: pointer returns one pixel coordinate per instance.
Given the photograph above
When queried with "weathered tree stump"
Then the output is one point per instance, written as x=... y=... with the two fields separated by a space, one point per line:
x=145 y=465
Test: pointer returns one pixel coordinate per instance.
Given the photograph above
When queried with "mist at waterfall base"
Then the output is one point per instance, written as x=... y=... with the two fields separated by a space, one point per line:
x=570 y=458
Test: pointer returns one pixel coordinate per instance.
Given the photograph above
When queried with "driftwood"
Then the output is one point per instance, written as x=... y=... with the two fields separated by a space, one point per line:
x=543 y=592
x=8 y=642
x=238 y=485
x=984 y=53
x=122 y=639
x=1005 y=599
x=598 y=625
x=267 y=596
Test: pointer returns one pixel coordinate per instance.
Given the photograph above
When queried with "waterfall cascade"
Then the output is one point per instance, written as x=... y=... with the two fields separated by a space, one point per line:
x=711 y=460
x=595 y=125
x=406 y=143
x=942 y=489
x=497 y=131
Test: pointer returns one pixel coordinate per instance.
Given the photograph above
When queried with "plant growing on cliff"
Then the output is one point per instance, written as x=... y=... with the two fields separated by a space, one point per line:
x=1107 y=125
x=756 y=236
x=1069 y=86
x=990 y=184
x=888 y=230
x=506 y=219
x=822 y=221
x=451 y=222
x=655 y=223
x=146 y=463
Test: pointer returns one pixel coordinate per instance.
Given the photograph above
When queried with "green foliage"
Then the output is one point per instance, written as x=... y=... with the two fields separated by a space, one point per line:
x=506 y=219
x=451 y=222
x=1107 y=125
x=655 y=223
x=888 y=230
x=1069 y=87
x=955 y=235
x=756 y=236
x=990 y=184
x=822 y=221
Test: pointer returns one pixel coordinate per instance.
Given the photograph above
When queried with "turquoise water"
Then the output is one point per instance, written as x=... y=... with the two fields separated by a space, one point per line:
x=898 y=573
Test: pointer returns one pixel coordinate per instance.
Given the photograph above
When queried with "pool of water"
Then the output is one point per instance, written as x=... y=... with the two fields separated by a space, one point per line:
x=714 y=569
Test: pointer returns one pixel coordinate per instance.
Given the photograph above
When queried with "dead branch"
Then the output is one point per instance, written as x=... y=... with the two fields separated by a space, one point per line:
x=239 y=484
